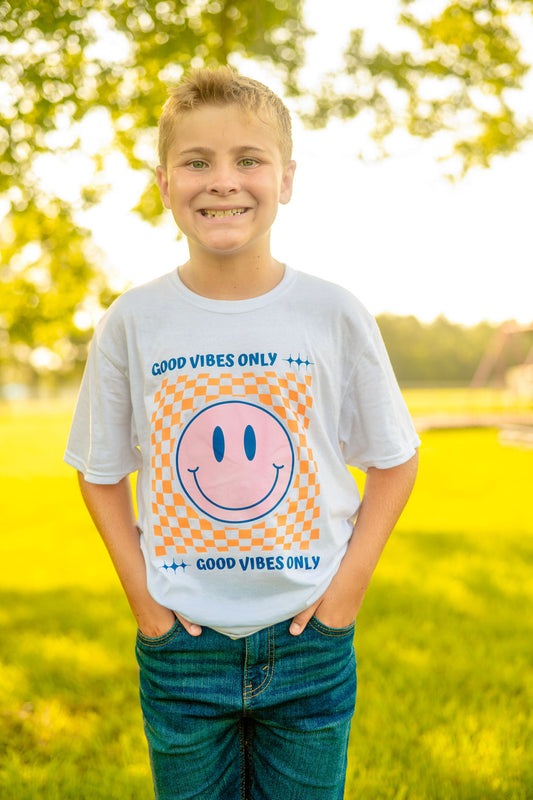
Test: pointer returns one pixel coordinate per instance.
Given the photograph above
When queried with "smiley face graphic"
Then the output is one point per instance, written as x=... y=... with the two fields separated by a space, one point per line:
x=235 y=461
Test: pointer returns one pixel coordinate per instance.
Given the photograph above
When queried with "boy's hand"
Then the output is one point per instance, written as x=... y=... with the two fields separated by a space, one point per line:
x=300 y=621
x=156 y=624
x=340 y=603
x=160 y=624
x=191 y=627
x=330 y=609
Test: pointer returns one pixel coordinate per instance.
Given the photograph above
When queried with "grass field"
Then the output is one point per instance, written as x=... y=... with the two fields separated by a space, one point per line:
x=444 y=640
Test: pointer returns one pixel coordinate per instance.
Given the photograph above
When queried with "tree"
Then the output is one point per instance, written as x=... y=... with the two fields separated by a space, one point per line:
x=463 y=75
x=53 y=76
x=440 y=352
x=465 y=69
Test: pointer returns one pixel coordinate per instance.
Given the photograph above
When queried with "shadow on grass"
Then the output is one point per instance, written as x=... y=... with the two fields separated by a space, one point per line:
x=70 y=723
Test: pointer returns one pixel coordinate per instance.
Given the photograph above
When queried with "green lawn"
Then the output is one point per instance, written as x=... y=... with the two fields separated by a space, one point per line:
x=444 y=640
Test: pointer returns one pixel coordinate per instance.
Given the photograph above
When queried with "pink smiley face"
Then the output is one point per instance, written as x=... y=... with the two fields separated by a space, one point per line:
x=235 y=461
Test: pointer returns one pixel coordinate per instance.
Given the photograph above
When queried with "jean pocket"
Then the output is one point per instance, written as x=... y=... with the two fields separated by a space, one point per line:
x=325 y=630
x=159 y=641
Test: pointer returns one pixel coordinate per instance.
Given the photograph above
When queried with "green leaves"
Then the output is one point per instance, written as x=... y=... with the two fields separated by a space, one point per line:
x=440 y=352
x=59 y=61
x=45 y=284
x=62 y=60
x=459 y=78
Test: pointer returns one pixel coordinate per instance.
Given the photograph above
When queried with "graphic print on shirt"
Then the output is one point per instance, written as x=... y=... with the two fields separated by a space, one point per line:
x=235 y=461
x=231 y=465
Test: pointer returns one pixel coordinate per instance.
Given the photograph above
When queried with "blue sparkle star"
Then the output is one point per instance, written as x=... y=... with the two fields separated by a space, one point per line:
x=299 y=361
x=174 y=567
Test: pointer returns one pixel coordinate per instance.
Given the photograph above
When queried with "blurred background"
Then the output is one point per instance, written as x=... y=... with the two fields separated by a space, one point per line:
x=413 y=137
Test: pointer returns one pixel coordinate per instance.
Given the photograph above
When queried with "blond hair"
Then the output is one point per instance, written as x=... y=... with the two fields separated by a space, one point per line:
x=223 y=86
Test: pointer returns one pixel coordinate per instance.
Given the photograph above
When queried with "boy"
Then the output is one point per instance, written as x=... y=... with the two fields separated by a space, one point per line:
x=239 y=389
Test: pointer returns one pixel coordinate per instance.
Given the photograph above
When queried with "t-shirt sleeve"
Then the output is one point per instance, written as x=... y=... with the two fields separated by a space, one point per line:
x=376 y=429
x=102 y=441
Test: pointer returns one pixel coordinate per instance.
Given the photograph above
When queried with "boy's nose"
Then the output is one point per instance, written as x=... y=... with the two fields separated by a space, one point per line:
x=223 y=182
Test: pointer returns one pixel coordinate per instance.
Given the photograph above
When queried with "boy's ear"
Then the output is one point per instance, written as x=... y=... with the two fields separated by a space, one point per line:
x=287 y=181
x=162 y=182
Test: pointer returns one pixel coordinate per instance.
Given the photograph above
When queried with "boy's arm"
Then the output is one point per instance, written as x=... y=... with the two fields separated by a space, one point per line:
x=386 y=493
x=111 y=508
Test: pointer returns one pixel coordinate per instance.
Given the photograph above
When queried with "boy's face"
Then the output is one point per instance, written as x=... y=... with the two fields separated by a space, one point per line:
x=224 y=180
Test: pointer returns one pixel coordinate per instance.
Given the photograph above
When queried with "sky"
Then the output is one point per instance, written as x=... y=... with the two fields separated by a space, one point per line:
x=395 y=232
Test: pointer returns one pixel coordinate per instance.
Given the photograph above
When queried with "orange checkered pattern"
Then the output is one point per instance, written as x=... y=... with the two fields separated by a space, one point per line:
x=178 y=527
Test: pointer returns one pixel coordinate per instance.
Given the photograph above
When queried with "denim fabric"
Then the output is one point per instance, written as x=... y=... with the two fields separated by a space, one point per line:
x=265 y=717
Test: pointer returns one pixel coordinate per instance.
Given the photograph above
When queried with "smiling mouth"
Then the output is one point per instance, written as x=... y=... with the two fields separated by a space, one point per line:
x=229 y=212
x=242 y=508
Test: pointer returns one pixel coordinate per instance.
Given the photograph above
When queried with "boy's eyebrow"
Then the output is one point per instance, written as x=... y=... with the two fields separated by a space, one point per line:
x=208 y=151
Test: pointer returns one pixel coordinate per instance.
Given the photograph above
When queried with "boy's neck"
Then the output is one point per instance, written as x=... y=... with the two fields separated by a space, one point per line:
x=235 y=279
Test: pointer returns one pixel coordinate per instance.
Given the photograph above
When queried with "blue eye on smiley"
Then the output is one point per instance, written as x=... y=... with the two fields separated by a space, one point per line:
x=249 y=443
x=219 y=443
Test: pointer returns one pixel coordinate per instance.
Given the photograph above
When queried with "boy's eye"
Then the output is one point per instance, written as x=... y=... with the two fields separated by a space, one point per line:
x=248 y=162
x=197 y=164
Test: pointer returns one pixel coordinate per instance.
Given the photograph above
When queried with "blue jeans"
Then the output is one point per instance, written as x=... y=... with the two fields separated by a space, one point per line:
x=265 y=717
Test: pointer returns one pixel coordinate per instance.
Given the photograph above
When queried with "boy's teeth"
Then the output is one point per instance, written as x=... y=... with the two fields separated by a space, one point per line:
x=231 y=212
